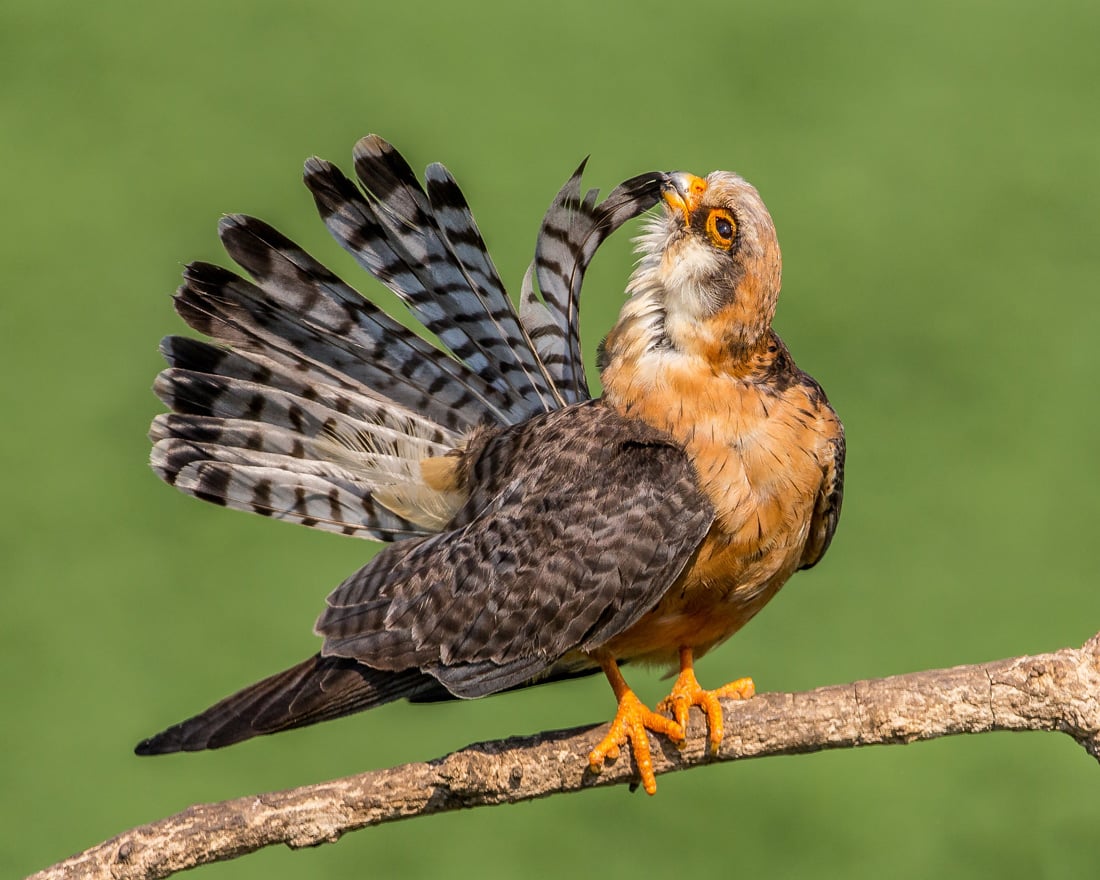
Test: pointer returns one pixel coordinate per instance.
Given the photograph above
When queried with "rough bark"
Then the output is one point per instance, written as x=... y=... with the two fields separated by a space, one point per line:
x=1059 y=691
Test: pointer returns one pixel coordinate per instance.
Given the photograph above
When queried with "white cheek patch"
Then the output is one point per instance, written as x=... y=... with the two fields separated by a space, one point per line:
x=683 y=273
x=672 y=293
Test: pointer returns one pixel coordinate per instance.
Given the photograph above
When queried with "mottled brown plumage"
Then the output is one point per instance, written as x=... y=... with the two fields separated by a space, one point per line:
x=544 y=535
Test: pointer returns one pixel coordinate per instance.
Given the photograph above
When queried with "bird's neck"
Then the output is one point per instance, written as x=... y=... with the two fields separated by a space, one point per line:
x=723 y=413
x=648 y=377
x=660 y=349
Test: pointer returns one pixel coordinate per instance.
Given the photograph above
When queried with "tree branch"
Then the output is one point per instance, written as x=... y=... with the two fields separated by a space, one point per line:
x=1059 y=691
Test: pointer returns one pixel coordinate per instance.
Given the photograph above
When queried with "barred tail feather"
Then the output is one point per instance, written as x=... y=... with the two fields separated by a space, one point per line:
x=337 y=461
x=313 y=405
x=203 y=379
x=302 y=316
x=392 y=231
x=572 y=231
x=464 y=241
x=217 y=475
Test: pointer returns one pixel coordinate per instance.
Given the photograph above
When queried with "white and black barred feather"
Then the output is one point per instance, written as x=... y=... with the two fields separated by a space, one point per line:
x=571 y=232
x=313 y=405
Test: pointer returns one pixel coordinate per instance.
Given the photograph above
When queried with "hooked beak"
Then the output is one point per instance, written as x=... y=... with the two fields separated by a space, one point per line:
x=682 y=192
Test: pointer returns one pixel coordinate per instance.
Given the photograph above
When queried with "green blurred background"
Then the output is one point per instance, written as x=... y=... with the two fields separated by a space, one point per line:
x=934 y=172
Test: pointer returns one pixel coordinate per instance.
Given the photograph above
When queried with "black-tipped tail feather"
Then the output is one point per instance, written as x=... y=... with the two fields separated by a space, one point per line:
x=318 y=689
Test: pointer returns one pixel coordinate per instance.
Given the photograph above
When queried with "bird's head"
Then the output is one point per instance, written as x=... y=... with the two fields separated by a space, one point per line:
x=711 y=260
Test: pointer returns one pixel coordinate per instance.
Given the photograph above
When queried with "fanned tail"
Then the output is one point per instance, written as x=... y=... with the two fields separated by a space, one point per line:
x=313 y=405
x=572 y=231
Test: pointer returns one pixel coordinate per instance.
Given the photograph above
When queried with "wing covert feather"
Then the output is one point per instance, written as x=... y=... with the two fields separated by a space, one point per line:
x=827 y=509
x=577 y=523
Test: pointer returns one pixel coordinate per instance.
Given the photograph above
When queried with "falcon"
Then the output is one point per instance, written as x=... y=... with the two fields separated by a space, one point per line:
x=536 y=534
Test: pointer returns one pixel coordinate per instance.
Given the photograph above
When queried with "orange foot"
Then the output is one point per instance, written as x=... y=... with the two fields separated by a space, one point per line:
x=632 y=720
x=687 y=693
x=631 y=723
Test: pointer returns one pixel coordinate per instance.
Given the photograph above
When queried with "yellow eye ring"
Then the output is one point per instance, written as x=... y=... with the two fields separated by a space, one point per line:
x=721 y=228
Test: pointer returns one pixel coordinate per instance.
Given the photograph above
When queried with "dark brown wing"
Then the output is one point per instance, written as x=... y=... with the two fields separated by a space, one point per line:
x=577 y=523
x=827 y=509
x=317 y=689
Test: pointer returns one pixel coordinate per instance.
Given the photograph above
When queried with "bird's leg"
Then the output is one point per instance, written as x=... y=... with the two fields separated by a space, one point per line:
x=687 y=693
x=630 y=723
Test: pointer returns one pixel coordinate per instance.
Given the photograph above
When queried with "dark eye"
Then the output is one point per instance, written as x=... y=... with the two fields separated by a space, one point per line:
x=721 y=227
